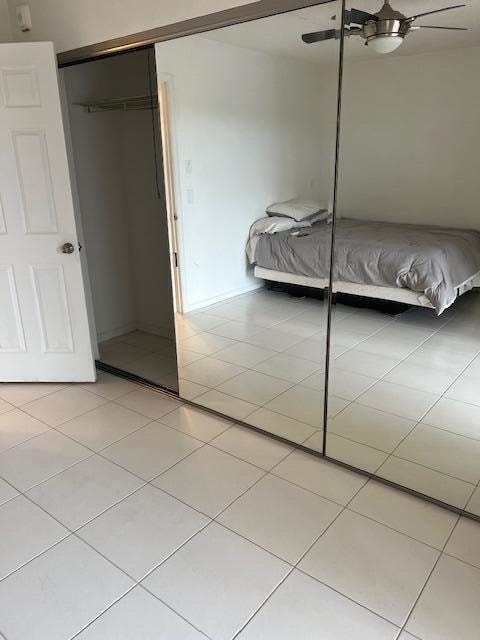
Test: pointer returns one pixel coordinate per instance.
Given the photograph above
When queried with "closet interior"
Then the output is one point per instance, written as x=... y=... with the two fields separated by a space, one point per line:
x=116 y=151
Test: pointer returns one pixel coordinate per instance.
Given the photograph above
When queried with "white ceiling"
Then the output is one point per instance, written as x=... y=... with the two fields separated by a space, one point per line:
x=281 y=34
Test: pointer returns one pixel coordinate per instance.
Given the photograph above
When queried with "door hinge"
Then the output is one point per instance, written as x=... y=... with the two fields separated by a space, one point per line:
x=175 y=259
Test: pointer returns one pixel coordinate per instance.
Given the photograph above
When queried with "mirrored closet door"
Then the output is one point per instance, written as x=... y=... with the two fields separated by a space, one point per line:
x=406 y=322
x=250 y=116
x=117 y=154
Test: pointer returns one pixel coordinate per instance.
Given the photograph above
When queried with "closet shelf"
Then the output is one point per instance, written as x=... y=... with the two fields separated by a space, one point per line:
x=133 y=103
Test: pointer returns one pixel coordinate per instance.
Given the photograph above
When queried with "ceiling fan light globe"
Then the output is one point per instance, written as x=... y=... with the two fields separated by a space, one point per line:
x=385 y=44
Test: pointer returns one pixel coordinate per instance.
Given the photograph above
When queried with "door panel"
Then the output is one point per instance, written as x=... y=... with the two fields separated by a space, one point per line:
x=44 y=333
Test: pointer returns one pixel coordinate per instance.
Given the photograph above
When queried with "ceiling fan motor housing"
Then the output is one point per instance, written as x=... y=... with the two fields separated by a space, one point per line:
x=391 y=27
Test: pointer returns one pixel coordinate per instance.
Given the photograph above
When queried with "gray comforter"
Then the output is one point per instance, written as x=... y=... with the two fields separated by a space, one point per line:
x=433 y=261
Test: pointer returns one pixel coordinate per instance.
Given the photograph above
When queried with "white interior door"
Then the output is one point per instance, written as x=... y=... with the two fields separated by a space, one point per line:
x=44 y=331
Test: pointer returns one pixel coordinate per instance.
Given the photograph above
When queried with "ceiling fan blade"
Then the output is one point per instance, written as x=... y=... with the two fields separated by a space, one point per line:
x=358 y=17
x=319 y=36
x=429 y=13
x=424 y=26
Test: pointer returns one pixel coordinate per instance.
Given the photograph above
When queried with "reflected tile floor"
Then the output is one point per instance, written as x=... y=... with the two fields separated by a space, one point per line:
x=233 y=535
x=404 y=390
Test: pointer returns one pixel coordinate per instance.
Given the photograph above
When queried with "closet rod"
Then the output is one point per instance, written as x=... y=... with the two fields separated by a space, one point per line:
x=133 y=103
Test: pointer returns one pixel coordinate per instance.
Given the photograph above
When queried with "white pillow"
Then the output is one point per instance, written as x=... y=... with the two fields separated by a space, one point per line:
x=296 y=208
x=277 y=224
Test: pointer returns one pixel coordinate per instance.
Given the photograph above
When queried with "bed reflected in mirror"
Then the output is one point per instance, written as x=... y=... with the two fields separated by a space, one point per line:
x=406 y=331
x=252 y=121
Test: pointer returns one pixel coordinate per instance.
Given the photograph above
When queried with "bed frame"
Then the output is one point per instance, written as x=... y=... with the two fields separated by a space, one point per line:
x=393 y=294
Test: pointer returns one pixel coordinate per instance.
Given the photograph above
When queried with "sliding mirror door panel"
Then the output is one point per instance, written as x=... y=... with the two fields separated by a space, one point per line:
x=116 y=144
x=406 y=321
x=251 y=127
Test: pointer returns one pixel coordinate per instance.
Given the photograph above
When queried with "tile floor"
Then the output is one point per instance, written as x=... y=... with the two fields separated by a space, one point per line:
x=127 y=515
x=404 y=397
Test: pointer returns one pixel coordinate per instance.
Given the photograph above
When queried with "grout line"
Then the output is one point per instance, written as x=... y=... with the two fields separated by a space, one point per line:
x=429 y=577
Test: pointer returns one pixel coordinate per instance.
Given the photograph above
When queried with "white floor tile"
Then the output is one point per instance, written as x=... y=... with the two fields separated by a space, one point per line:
x=228 y=405
x=464 y=543
x=186 y=357
x=324 y=478
x=454 y=416
x=142 y=530
x=196 y=423
x=140 y=615
x=298 y=326
x=63 y=405
x=60 y=592
x=303 y=608
x=473 y=505
x=151 y=450
x=144 y=340
x=274 y=339
x=281 y=425
x=441 y=360
x=443 y=451
x=98 y=428
x=17 y=426
x=7 y=492
x=309 y=349
x=371 y=427
x=372 y=564
x=217 y=581
x=350 y=452
x=448 y=607
x=244 y=355
x=287 y=367
x=152 y=404
x=398 y=331
x=120 y=354
x=406 y=636
x=109 y=386
x=5 y=406
x=40 y=458
x=428 y=481
x=255 y=387
x=316 y=381
x=398 y=400
x=301 y=404
x=27 y=531
x=420 y=377
x=253 y=447
x=465 y=389
x=206 y=343
x=405 y=513
x=190 y=390
x=209 y=480
x=236 y=330
x=364 y=321
x=201 y=320
x=368 y=364
x=18 y=393
x=346 y=384
x=80 y=493
x=280 y=517
x=210 y=372
x=394 y=348
x=154 y=367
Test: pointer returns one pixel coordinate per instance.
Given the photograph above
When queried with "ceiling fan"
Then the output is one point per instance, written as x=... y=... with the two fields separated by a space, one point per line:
x=384 y=31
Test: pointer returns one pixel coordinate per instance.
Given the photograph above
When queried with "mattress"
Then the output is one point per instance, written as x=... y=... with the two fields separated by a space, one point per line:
x=432 y=262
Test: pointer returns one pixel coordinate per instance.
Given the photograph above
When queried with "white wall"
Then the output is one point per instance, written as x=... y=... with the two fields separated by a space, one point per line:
x=76 y=23
x=247 y=132
x=5 y=26
x=410 y=139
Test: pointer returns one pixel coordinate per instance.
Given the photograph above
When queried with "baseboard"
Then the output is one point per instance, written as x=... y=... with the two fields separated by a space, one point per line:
x=118 y=331
x=221 y=297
